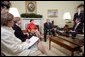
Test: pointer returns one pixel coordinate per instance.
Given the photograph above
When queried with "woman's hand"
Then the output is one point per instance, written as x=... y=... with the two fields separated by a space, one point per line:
x=32 y=31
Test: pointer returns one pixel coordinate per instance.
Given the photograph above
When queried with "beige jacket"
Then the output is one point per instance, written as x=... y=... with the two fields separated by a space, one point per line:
x=12 y=46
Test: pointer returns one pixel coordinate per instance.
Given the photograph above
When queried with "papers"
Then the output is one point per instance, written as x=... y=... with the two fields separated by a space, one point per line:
x=33 y=40
x=61 y=31
x=72 y=31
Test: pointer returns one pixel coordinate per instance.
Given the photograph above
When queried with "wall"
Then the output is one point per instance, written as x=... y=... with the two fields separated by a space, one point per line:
x=43 y=6
x=20 y=5
x=62 y=6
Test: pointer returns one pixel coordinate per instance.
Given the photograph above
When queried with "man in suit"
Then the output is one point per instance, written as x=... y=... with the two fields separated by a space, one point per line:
x=18 y=32
x=47 y=29
x=79 y=14
x=77 y=28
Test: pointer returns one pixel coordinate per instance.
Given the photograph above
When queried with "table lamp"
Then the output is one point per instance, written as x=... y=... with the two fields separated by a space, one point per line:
x=14 y=11
x=67 y=18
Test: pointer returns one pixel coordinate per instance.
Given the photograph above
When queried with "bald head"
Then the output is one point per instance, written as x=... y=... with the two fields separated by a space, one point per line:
x=47 y=20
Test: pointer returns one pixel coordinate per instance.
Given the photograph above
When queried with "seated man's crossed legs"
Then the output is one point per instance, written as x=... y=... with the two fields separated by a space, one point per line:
x=36 y=47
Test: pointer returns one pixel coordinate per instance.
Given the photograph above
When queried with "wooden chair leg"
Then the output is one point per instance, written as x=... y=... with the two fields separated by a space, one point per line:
x=49 y=44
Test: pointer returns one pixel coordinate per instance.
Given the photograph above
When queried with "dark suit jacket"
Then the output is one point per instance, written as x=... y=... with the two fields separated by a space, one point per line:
x=18 y=33
x=80 y=16
x=47 y=26
x=79 y=28
x=47 y=29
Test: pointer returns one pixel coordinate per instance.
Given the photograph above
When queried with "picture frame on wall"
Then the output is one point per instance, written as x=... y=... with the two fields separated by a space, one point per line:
x=31 y=6
x=52 y=13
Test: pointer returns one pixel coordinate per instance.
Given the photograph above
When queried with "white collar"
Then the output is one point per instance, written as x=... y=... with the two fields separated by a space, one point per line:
x=78 y=23
x=7 y=28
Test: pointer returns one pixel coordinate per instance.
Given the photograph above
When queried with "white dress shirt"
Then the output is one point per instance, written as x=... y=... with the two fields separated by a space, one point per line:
x=76 y=26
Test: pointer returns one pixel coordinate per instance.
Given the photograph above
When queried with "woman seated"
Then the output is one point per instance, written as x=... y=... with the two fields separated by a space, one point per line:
x=11 y=45
x=18 y=32
x=32 y=29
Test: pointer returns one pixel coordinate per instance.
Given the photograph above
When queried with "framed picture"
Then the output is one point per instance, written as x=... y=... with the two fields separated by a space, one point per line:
x=53 y=13
x=30 y=6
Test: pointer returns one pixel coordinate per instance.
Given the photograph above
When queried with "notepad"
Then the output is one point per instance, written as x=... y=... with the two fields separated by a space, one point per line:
x=33 y=40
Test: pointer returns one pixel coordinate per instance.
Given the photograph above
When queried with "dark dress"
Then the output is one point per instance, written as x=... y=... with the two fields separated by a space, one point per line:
x=18 y=33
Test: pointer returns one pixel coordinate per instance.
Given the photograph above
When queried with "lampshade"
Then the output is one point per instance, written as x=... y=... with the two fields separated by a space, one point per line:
x=14 y=12
x=67 y=15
